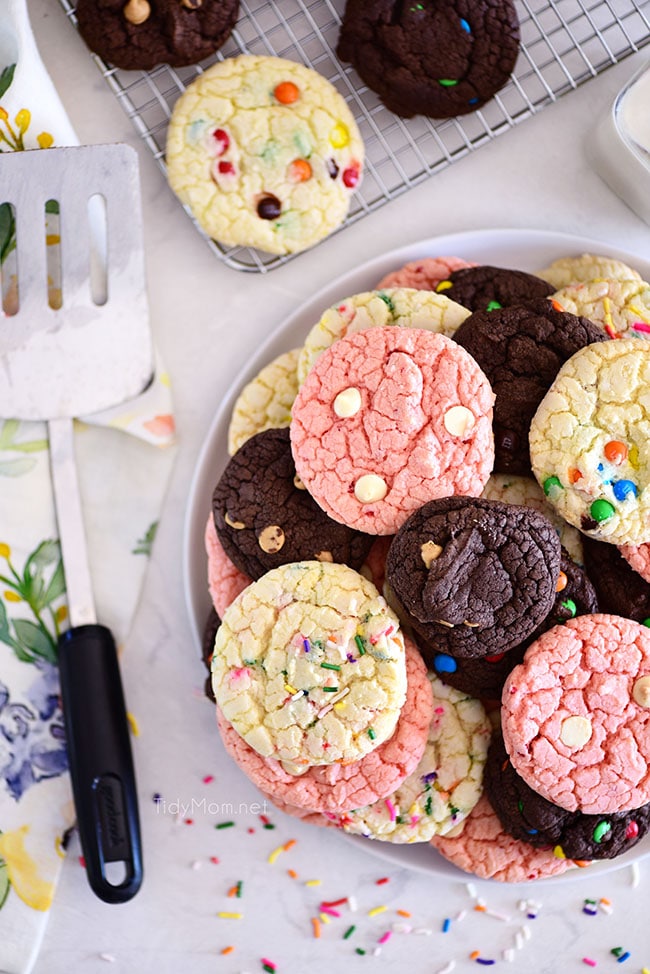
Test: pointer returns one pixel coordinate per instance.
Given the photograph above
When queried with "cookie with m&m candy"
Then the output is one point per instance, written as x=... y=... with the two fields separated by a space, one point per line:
x=436 y=57
x=590 y=441
x=265 y=153
x=572 y=835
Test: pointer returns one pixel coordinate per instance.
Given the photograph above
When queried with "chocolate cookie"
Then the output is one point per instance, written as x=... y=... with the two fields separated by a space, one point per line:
x=140 y=34
x=436 y=58
x=620 y=589
x=527 y=816
x=474 y=577
x=520 y=349
x=212 y=624
x=265 y=517
x=487 y=288
x=484 y=677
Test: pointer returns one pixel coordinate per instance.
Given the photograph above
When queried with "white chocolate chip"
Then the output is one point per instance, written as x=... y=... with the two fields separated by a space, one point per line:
x=459 y=420
x=324 y=556
x=136 y=11
x=370 y=487
x=237 y=525
x=297 y=482
x=271 y=539
x=575 y=731
x=641 y=691
x=347 y=403
x=430 y=551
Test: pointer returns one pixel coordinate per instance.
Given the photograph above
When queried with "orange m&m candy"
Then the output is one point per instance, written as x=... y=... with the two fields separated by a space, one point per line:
x=615 y=451
x=286 y=92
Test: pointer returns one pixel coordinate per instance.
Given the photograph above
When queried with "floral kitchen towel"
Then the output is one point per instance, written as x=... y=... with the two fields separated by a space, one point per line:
x=123 y=475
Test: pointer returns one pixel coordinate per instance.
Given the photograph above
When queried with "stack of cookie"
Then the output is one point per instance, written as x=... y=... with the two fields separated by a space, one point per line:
x=393 y=454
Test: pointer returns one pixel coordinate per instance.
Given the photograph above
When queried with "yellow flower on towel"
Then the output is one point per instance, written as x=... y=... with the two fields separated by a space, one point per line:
x=23 y=871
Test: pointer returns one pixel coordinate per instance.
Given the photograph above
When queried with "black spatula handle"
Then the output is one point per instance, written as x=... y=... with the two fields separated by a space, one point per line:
x=101 y=763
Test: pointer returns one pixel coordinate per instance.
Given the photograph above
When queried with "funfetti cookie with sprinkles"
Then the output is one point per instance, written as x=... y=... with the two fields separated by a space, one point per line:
x=587 y=267
x=590 y=441
x=265 y=153
x=387 y=419
x=307 y=661
x=446 y=784
x=620 y=308
x=402 y=307
x=576 y=715
x=336 y=788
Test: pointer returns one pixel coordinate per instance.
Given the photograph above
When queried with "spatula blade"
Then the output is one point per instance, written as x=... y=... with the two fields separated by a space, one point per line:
x=82 y=357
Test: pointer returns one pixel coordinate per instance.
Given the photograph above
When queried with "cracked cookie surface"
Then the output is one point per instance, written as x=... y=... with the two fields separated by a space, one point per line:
x=590 y=441
x=265 y=153
x=309 y=665
x=387 y=419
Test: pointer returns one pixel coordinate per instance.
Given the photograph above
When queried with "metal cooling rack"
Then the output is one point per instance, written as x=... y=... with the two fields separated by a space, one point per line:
x=563 y=44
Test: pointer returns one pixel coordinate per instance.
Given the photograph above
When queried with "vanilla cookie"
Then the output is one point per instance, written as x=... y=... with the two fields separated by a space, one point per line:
x=266 y=401
x=590 y=441
x=446 y=784
x=576 y=715
x=401 y=306
x=332 y=789
x=387 y=419
x=586 y=267
x=309 y=665
x=620 y=308
x=265 y=153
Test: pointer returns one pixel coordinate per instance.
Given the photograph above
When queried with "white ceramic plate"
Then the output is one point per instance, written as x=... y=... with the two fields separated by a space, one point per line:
x=528 y=250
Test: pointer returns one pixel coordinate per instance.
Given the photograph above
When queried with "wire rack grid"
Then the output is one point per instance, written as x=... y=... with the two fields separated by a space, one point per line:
x=563 y=44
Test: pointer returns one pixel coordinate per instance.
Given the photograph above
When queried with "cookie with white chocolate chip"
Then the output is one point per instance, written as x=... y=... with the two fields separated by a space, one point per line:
x=265 y=518
x=140 y=34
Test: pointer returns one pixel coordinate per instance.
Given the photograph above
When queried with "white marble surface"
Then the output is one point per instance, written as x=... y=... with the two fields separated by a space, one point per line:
x=207 y=319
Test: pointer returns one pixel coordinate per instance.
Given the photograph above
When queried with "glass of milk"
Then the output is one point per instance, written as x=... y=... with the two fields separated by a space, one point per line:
x=619 y=146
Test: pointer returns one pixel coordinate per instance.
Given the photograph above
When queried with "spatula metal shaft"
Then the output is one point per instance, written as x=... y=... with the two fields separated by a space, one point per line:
x=69 y=516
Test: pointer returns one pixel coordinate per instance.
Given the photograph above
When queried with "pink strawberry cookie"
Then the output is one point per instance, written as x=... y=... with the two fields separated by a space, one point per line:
x=387 y=419
x=225 y=582
x=336 y=787
x=425 y=274
x=638 y=557
x=484 y=849
x=576 y=715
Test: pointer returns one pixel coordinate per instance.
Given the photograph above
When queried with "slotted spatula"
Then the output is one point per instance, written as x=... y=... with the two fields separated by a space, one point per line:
x=57 y=363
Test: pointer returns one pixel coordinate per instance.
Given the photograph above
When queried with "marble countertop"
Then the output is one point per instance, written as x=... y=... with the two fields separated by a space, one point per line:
x=207 y=319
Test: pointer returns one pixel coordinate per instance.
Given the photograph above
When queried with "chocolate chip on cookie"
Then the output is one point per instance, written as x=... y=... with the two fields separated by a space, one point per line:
x=265 y=517
x=474 y=577
x=435 y=58
x=140 y=34
x=487 y=288
x=521 y=349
